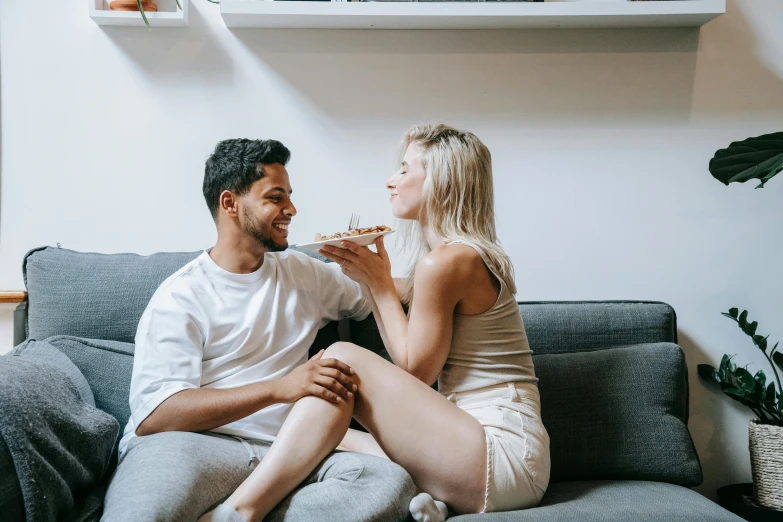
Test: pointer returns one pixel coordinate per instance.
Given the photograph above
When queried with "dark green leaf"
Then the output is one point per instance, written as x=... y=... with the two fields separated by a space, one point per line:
x=750 y=329
x=778 y=358
x=760 y=378
x=772 y=351
x=745 y=380
x=759 y=158
x=708 y=373
x=769 y=394
x=761 y=382
x=733 y=312
x=725 y=367
x=761 y=342
x=740 y=396
x=743 y=318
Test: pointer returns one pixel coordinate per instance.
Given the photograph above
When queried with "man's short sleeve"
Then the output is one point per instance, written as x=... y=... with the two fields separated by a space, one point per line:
x=342 y=297
x=168 y=356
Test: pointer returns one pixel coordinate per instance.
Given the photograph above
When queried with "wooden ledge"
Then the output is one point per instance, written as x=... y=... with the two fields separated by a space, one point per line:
x=12 y=296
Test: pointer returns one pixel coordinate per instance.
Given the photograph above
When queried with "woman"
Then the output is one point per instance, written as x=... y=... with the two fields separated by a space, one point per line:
x=478 y=443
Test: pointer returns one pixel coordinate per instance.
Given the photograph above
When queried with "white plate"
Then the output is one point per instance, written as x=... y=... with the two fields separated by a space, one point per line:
x=363 y=240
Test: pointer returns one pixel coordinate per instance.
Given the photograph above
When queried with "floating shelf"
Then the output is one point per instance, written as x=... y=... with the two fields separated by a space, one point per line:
x=168 y=15
x=468 y=15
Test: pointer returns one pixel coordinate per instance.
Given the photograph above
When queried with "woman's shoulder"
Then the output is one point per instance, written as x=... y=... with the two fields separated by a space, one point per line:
x=454 y=260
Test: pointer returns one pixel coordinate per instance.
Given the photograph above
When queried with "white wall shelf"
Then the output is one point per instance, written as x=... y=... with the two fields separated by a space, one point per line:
x=168 y=15
x=468 y=15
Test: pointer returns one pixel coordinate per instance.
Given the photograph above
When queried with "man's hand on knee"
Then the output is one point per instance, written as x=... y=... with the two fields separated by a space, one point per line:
x=329 y=379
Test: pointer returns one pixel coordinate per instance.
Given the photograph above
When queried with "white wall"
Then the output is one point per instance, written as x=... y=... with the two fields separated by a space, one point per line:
x=600 y=140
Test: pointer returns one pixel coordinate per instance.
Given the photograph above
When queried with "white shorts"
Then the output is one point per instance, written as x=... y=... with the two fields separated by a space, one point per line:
x=518 y=463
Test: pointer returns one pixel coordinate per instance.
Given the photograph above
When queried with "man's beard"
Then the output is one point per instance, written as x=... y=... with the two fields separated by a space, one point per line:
x=262 y=233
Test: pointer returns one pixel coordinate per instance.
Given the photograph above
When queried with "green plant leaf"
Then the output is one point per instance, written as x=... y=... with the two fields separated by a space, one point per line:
x=778 y=358
x=761 y=342
x=760 y=157
x=743 y=318
x=724 y=369
x=733 y=312
x=708 y=373
x=745 y=380
x=750 y=329
x=740 y=396
x=761 y=382
x=760 y=378
x=769 y=394
x=772 y=351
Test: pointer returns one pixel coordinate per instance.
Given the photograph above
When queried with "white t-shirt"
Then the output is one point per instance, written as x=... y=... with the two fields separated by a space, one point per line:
x=209 y=328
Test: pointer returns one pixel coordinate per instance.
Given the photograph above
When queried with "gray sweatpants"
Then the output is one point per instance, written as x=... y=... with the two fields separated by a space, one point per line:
x=178 y=476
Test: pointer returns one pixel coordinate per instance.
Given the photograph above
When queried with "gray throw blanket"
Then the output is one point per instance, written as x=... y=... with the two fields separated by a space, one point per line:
x=60 y=445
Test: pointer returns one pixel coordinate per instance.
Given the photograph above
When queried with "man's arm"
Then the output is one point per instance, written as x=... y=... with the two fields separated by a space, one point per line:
x=203 y=409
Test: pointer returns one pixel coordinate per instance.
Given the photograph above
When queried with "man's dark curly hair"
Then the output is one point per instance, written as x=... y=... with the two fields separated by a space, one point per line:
x=236 y=165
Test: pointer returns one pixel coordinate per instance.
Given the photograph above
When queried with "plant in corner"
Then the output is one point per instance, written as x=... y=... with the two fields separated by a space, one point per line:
x=763 y=399
x=754 y=158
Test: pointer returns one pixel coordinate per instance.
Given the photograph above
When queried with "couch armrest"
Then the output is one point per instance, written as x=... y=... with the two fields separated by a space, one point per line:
x=12 y=296
x=20 y=313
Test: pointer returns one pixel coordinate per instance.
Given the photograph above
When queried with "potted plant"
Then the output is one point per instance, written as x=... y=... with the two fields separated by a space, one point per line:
x=754 y=158
x=137 y=5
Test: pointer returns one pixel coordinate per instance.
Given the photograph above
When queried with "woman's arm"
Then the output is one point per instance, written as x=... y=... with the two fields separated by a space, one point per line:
x=419 y=345
x=439 y=285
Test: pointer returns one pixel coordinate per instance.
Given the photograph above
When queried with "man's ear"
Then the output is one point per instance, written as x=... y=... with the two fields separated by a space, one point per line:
x=229 y=202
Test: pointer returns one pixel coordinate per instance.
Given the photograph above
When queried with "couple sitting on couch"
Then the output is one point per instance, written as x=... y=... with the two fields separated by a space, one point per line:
x=227 y=413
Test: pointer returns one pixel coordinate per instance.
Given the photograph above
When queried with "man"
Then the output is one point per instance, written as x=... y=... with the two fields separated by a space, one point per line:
x=221 y=357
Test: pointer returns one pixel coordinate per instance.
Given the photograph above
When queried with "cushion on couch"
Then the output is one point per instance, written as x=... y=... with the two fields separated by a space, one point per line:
x=97 y=296
x=571 y=326
x=618 y=413
x=107 y=366
x=612 y=501
x=579 y=326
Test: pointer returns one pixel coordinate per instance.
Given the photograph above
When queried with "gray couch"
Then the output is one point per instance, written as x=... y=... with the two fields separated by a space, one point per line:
x=613 y=383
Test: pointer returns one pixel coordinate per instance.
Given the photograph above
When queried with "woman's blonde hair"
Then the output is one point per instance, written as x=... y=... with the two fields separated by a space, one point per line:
x=457 y=198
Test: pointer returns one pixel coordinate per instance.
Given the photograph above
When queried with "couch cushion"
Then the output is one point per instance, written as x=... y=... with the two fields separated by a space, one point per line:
x=97 y=296
x=45 y=353
x=572 y=326
x=618 y=413
x=107 y=366
x=612 y=501
x=578 y=326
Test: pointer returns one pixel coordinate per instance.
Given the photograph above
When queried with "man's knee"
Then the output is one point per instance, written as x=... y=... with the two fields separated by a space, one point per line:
x=174 y=476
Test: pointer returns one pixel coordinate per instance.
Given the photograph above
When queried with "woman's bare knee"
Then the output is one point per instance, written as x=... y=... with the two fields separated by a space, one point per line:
x=351 y=354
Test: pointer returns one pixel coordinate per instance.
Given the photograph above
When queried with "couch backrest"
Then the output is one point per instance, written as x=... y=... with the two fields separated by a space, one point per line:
x=572 y=326
x=98 y=296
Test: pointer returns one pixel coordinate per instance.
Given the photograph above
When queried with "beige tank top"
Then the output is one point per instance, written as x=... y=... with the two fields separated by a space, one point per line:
x=489 y=348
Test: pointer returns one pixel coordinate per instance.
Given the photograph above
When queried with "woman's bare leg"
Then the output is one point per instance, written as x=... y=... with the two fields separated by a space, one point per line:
x=361 y=442
x=312 y=430
x=442 y=447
